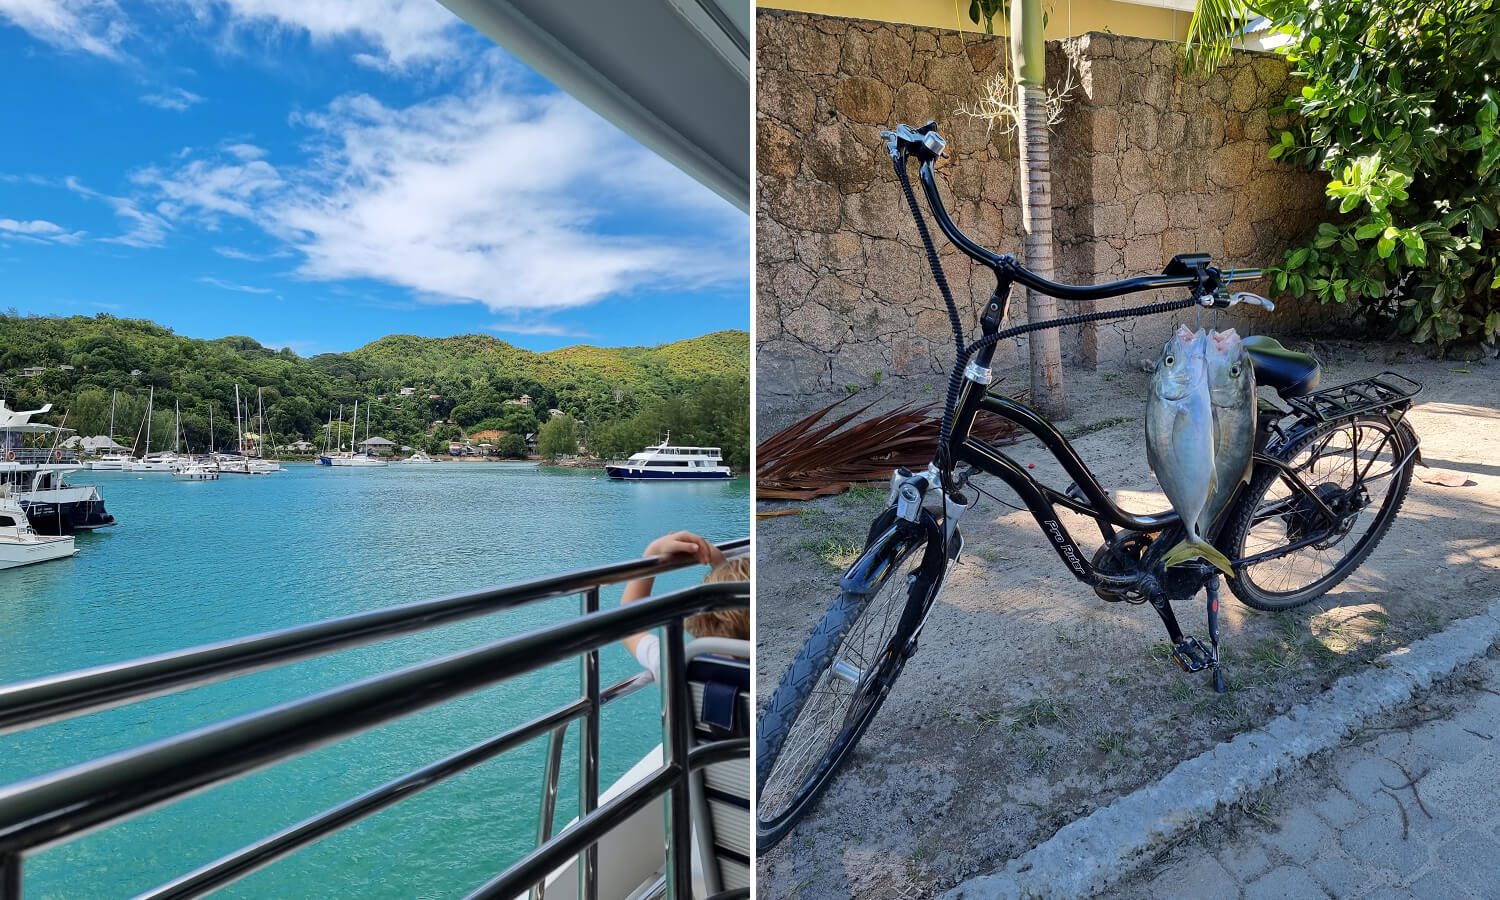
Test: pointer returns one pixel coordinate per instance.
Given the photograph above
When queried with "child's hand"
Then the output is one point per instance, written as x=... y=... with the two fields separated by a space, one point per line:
x=684 y=543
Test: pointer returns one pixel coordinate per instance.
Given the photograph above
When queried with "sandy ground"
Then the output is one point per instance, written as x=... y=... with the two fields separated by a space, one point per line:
x=1032 y=702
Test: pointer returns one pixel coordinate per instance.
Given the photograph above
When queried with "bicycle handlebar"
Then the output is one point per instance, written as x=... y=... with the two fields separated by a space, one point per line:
x=1190 y=272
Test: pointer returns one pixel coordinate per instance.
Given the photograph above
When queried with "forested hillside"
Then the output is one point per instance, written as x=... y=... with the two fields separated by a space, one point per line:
x=622 y=397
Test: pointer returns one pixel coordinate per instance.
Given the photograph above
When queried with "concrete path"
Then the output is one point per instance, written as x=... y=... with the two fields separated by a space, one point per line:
x=1410 y=808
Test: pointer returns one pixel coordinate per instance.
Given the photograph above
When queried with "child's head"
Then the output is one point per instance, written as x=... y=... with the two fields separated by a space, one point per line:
x=729 y=623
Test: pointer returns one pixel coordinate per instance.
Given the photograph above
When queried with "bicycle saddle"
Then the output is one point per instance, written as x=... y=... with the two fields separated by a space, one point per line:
x=1292 y=374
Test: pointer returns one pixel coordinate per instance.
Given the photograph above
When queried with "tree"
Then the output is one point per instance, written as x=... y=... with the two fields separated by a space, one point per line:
x=1028 y=56
x=1033 y=113
x=1400 y=109
x=558 y=437
x=512 y=446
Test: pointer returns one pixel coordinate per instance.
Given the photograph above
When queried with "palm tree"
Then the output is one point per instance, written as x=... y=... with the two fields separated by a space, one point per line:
x=1028 y=59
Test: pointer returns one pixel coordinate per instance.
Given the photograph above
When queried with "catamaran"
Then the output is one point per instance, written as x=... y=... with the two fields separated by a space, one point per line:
x=163 y=462
x=364 y=458
x=664 y=461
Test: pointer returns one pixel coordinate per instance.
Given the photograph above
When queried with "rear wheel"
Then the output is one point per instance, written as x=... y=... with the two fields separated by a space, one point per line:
x=833 y=690
x=1359 y=467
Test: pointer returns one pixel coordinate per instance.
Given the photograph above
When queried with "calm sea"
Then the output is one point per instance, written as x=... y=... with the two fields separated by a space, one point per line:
x=191 y=563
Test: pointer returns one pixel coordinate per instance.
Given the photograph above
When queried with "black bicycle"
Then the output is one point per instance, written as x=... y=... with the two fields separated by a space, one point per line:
x=1331 y=470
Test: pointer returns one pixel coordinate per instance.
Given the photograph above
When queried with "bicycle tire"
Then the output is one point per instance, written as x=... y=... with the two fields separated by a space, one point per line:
x=789 y=702
x=1243 y=517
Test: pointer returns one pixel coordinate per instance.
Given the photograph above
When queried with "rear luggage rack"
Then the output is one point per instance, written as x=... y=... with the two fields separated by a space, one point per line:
x=1380 y=392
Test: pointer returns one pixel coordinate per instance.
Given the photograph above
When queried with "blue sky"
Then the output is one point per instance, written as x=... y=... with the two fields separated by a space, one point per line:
x=320 y=173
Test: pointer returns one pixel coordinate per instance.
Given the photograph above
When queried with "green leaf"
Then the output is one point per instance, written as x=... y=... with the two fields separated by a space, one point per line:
x=1369 y=230
x=1357 y=113
x=1286 y=139
x=1424 y=332
x=1297 y=259
x=1295 y=283
x=1384 y=246
x=1492 y=322
x=1281 y=280
x=1276 y=151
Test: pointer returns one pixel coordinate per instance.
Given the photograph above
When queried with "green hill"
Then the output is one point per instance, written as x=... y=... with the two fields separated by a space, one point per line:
x=617 y=393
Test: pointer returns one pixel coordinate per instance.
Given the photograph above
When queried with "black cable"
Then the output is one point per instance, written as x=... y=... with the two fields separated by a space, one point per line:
x=932 y=256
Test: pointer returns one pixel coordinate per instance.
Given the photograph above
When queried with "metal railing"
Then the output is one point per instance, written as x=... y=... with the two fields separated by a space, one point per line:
x=40 y=455
x=60 y=806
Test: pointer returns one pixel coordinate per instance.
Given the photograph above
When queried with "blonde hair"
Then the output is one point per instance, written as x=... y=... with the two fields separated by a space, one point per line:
x=729 y=623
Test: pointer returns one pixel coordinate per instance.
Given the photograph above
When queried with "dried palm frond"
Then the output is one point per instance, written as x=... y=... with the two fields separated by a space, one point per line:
x=808 y=459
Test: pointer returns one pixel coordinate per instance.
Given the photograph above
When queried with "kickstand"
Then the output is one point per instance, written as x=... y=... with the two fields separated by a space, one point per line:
x=1213 y=633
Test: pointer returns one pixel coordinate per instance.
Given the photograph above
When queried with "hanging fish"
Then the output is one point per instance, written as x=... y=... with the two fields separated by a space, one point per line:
x=1231 y=391
x=1180 y=439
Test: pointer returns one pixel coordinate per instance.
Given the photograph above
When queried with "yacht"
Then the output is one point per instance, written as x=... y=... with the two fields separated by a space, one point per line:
x=109 y=462
x=35 y=477
x=20 y=545
x=667 y=462
x=418 y=457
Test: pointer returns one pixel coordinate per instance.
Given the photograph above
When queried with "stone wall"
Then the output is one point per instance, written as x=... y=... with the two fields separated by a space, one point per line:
x=1146 y=163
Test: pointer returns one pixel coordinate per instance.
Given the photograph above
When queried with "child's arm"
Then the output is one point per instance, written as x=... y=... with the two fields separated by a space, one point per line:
x=678 y=543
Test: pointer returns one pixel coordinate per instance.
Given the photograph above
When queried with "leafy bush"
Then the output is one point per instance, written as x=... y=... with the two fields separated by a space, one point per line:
x=1400 y=107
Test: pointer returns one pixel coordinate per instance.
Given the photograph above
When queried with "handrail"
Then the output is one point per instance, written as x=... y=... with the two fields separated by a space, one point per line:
x=60 y=806
x=54 y=698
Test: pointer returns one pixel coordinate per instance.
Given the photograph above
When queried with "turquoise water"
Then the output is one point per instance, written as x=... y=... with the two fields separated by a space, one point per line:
x=194 y=562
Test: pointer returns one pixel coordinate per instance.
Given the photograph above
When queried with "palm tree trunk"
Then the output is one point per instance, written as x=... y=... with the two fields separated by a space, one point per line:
x=1028 y=50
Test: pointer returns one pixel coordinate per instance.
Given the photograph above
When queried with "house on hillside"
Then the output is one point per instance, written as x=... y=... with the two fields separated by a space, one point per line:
x=32 y=371
x=297 y=447
x=408 y=391
x=377 y=445
x=554 y=413
x=524 y=400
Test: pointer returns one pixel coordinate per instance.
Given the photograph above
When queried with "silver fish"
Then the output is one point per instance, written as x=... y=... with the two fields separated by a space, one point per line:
x=1231 y=390
x=1180 y=439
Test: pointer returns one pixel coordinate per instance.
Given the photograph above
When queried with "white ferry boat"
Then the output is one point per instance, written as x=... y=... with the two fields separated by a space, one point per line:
x=667 y=462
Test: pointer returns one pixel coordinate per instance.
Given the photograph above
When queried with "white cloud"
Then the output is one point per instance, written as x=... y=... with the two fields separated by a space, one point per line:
x=541 y=328
x=401 y=33
x=514 y=201
x=175 y=99
x=228 y=286
x=146 y=229
x=39 y=231
x=91 y=26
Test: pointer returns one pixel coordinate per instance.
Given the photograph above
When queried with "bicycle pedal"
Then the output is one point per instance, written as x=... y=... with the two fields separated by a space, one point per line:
x=1191 y=655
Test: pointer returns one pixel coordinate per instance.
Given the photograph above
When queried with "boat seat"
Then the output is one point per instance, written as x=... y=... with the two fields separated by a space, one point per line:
x=719 y=680
x=1292 y=374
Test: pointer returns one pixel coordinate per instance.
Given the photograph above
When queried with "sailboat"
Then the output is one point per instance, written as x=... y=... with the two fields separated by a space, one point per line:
x=363 y=458
x=258 y=464
x=234 y=463
x=114 y=460
x=163 y=462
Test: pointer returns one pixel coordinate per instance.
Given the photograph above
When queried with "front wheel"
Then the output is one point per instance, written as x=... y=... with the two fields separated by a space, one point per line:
x=834 y=688
x=1359 y=467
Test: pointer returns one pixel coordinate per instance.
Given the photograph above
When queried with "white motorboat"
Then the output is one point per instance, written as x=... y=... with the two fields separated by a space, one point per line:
x=197 y=471
x=20 y=545
x=418 y=457
x=665 y=462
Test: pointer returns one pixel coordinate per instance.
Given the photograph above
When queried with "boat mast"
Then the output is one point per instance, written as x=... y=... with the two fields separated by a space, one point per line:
x=177 y=429
x=340 y=447
x=149 y=400
x=112 y=415
x=210 y=428
x=260 y=405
